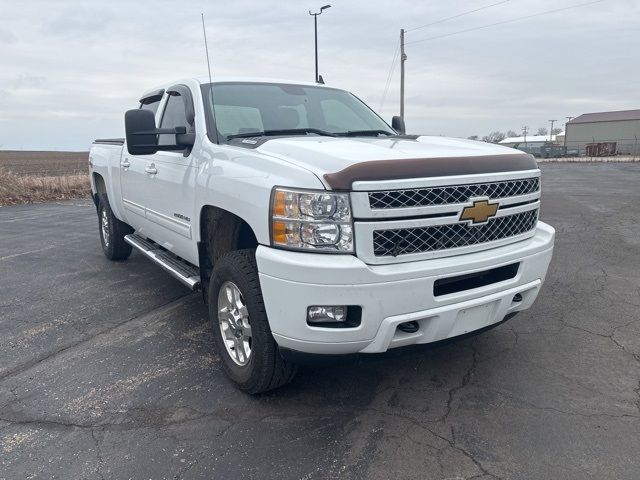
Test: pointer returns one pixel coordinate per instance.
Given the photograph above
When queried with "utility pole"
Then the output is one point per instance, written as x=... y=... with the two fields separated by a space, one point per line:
x=551 y=131
x=525 y=130
x=403 y=58
x=315 y=30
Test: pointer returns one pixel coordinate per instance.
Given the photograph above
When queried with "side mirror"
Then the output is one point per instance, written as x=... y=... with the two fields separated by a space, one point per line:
x=398 y=125
x=140 y=130
x=142 y=134
x=184 y=139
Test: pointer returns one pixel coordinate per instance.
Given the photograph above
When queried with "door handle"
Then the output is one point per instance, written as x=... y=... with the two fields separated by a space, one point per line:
x=125 y=163
x=151 y=169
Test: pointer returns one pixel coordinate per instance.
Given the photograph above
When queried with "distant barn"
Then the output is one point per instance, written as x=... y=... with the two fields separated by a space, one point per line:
x=604 y=133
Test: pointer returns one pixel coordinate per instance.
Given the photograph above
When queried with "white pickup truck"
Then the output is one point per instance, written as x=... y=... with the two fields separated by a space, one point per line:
x=311 y=225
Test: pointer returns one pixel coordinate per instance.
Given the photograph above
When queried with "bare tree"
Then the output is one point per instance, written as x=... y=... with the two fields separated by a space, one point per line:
x=556 y=131
x=511 y=134
x=473 y=137
x=494 y=137
x=542 y=131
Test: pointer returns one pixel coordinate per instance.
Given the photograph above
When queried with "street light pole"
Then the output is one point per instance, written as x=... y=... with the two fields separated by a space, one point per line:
x=315 y=30
x=551 y=131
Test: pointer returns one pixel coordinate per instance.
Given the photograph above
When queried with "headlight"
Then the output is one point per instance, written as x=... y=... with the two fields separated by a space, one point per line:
x=311 y=220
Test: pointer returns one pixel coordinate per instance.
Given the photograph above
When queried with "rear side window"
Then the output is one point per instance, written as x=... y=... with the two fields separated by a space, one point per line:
x=174 y=115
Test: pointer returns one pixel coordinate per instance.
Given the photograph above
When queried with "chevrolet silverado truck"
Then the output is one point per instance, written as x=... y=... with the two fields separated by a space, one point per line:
x=311 y=225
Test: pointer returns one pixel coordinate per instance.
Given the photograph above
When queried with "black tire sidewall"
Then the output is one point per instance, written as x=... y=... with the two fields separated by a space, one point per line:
x=118 y=248
x=104 y=206
x=236 y=268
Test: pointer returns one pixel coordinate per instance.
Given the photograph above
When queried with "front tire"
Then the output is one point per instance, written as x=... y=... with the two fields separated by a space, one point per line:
x=112 y=232
x=250 y=355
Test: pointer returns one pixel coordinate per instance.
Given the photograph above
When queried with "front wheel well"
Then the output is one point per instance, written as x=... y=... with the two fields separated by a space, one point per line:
x=220 y=232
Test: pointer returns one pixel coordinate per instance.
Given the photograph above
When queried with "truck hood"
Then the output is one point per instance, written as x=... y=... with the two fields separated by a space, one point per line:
x=341 y=161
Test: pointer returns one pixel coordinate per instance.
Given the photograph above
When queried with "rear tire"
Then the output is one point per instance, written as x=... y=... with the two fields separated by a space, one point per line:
x=243 y=339
x=112 y=232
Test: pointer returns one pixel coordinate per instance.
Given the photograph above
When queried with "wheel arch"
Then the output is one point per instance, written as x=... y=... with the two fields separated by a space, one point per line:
x=100 y=187
x=220 y=231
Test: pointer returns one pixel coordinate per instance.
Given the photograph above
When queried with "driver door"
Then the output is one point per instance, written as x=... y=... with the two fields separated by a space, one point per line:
x=170 y=180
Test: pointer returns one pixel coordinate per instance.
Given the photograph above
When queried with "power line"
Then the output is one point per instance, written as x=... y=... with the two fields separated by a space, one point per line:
x=389 y=76
x=547 y=12
x=456 y=16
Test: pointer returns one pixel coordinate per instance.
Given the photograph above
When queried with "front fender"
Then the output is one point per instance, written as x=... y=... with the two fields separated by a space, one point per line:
x=240 y=182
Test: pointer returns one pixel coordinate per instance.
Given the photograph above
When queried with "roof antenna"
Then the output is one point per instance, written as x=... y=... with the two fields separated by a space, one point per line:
x=206 y=48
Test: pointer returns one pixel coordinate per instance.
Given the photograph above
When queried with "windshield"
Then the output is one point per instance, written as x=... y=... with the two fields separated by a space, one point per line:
x=255 y=109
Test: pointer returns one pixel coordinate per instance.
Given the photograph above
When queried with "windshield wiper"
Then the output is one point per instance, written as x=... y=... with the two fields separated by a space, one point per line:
x=365 y=133
x=287 y=131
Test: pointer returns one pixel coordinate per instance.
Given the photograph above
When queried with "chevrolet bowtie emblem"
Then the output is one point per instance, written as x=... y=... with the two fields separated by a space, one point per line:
x=479 y=212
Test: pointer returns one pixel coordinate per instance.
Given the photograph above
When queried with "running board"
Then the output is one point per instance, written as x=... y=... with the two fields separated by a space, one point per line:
x=179 y=269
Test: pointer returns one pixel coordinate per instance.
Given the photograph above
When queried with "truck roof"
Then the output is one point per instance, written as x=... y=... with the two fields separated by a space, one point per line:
x=203 y=80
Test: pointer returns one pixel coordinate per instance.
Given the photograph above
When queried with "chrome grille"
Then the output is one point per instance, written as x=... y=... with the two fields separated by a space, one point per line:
x=425 y=197
x=440 y=237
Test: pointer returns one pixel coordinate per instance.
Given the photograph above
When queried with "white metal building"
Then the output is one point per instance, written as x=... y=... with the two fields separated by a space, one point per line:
x=532 y=140
x=538 y=145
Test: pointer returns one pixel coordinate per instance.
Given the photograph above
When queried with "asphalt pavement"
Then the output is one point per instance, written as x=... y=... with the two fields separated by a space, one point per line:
x=108 y=370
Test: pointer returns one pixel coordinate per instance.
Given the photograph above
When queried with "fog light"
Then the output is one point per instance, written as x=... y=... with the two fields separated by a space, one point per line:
x=330 y=314
x=409 y=327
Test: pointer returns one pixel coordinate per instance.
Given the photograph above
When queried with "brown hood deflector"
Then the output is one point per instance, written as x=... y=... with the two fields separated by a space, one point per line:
x=428 y=167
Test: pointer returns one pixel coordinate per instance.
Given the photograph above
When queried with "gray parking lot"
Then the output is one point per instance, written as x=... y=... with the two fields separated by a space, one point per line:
x=107 y=370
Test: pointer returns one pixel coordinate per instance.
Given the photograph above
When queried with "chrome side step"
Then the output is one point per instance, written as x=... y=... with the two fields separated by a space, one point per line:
x=179 y=269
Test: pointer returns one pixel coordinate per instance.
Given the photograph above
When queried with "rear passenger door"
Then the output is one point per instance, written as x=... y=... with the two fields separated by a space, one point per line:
x=170 y=180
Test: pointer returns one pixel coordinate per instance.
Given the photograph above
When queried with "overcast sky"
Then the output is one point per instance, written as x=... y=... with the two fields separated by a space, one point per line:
x=69 y=69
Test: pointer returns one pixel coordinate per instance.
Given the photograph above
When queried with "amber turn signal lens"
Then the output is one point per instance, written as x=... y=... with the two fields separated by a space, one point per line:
x=279 y=233
x=278 y=205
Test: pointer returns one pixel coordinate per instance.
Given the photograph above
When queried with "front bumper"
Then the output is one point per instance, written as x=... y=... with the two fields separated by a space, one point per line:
x=393 y=294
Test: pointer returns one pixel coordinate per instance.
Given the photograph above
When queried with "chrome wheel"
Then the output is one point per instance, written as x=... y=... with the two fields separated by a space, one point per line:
x=104 y=227
x=233 y=318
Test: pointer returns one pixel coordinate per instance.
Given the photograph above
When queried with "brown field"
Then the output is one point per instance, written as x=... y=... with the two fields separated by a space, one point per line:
x=27 y=177
x=52 y=164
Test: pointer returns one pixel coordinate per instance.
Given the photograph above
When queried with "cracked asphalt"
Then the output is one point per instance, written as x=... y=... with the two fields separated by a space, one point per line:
x=107 y=370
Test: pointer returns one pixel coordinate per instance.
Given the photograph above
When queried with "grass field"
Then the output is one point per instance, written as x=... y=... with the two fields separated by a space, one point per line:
x=27 y=177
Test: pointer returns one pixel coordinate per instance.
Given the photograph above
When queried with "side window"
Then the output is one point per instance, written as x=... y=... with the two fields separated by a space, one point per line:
x=174 y=115
x=150 y=104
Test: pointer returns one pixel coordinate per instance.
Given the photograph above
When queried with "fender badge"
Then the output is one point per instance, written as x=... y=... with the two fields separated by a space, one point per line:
x=182 y=217
x=479 y=212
